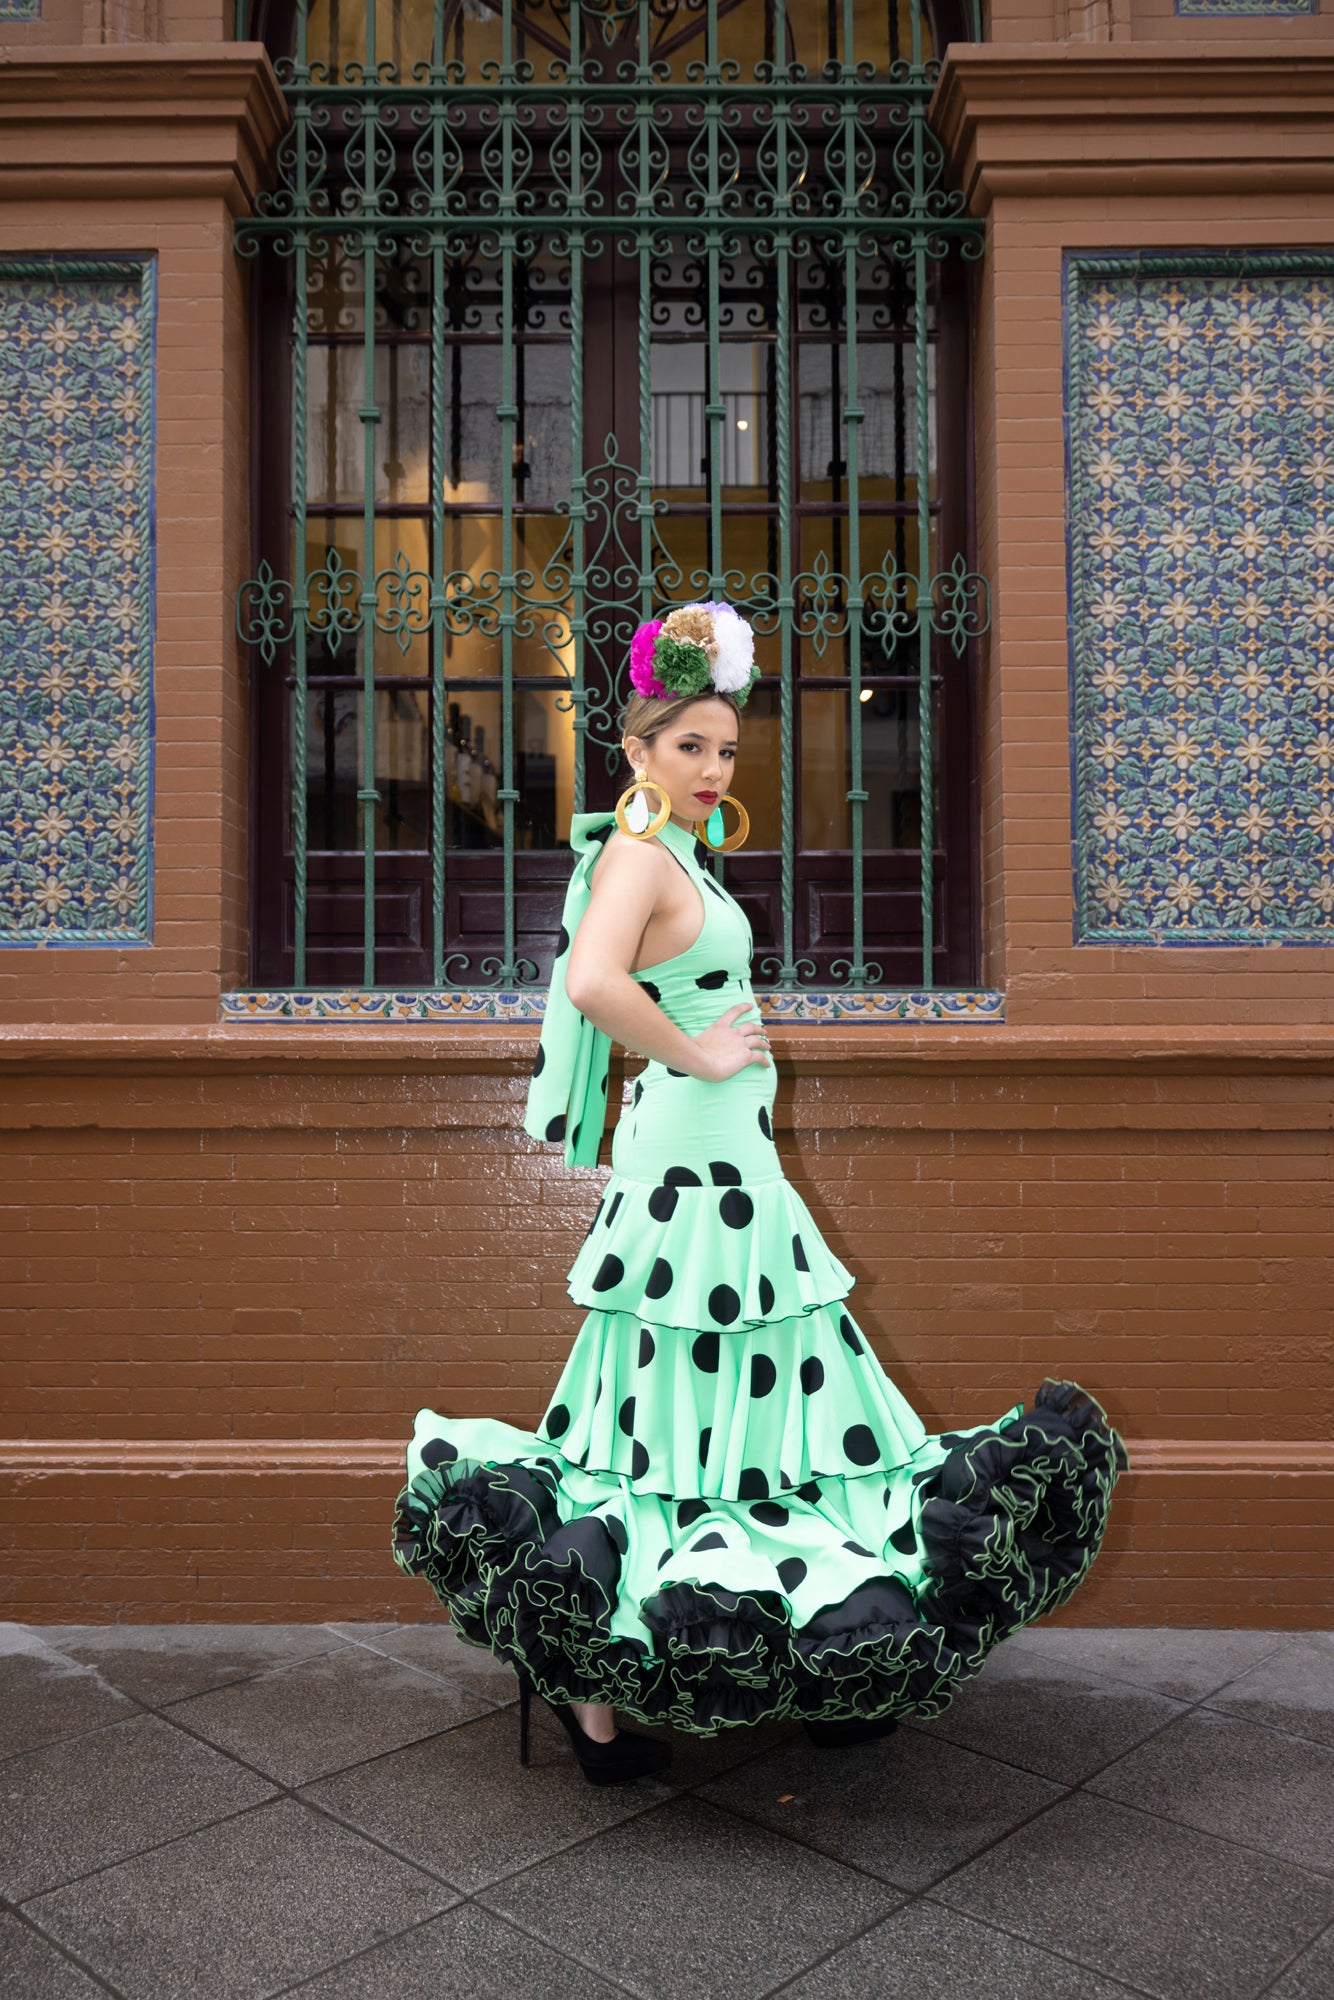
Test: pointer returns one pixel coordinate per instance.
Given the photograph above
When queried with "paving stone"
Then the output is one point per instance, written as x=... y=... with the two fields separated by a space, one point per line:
x=924 y=1952
x=1137 y=1898
x=1050 y=1717
x=438 y=1649
x=44 y=1696
x=241 y=1910
x=298 y=1723
x=32 y=1969
x=163 y=1663
x=1310 y=1977
x=909 y=1808
x=465 y=1955
x=688 y=1902
x=1168 y=1659
x=463 y=1806
x=1237 y=1780
x=89 y=1800
x=1293 y=1690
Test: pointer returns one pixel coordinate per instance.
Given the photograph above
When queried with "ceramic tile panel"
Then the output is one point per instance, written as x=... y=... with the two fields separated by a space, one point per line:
x=805 y=1009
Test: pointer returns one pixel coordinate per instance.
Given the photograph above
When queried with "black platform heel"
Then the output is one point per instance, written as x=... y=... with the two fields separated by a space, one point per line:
x=842 y=1735
x=619 y=1762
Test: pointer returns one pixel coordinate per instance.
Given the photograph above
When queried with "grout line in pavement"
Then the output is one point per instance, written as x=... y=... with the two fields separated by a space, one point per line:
x=62 y=1950
x=1301 y=1951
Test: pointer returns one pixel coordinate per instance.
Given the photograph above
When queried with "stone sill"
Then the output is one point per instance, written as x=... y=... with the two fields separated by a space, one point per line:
x=406 y=1048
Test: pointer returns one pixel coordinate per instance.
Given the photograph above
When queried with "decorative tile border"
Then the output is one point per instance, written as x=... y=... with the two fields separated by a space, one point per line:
x=1200 y=438
x=1224 y=8
x=20 y=10
x=806 y=1009
x=76 y=601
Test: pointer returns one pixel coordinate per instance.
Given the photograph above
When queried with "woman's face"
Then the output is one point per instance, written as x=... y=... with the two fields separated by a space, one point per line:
x=693 y=758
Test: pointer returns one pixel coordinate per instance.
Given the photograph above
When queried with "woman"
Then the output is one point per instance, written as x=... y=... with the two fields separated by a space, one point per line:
x=728 y=1512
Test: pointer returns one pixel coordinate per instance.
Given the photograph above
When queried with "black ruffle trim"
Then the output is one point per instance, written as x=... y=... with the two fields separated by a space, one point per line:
x=1009 y=1525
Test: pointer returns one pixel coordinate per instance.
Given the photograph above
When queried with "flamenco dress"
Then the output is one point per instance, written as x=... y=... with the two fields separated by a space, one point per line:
x=728 y=1511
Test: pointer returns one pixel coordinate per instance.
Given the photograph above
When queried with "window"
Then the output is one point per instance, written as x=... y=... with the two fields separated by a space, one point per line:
x=567 y=312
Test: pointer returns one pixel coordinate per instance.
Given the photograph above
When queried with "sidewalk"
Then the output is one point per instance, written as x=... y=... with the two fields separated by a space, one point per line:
x=237 y=1811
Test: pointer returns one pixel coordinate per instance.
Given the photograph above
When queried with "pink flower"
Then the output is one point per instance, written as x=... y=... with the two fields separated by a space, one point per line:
x=642 y=677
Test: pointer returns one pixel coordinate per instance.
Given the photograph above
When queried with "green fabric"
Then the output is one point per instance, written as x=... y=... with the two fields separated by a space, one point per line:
x=728 y=1509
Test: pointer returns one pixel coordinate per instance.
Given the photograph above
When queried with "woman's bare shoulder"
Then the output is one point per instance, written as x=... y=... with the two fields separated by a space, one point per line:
x=625 y=859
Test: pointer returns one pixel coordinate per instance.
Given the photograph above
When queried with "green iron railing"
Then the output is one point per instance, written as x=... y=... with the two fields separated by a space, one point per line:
x=606 y=139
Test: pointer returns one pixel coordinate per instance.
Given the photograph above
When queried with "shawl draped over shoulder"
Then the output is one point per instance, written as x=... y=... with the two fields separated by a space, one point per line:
x=567 y=1097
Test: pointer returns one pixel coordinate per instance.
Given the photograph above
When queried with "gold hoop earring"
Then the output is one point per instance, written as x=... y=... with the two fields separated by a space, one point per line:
x=734 y=839
x=653 y=824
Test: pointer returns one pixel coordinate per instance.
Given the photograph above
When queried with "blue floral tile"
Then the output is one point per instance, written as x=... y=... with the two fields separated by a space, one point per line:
x=20 y=10
x=804 y=1009
x=1200 y=436
x=76 y=601
x=1227 y=7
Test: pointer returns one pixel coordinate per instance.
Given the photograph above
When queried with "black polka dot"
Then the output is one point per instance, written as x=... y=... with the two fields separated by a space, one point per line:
x=904 y=1539
x=616 y=1201
x=763 y=1374
x=769 y=1514
x=920 y=1478
x=812 y=1374
x=752 y=1485
x=558 y=1421
x=724 y=1305
x=850 y=1334
x=654 y=994
x=662 y=1203
x=713 y=1540
x=664 y=1558
x=626 y=1419
x=541 y=1062
x=709 y=883
x=701 y=852
x=723 y=1175
x=799 y=1254
x=765 y=1126
x=690 y=1511
x=574 y=1141
x=704 y=1353
x=610 y=1272
x=597 y=1215
x=791 y=1571
x=951 y=1440
x=736 y=1209
x=766 y=1295
x=646 y=1347
x=616 y=1529
x=704 y=1438
x=562 y=942
x=638 y=1090
x=676 y=1072
x=856 y=1549
x=602 y=834
x=597 y=1393
x=785 y=1482
x=659 y=1279
x=711 y=982
x=810 y=1492
x=556 y=1129
x=439 y=1452
x=681 y=1177
x=860 y=1445
x=602 y=1084
x=638 y=1460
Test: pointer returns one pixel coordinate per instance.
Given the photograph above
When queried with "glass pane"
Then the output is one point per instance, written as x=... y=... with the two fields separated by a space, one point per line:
x=542 y=643
x=402 y=438
x=541 y=465
x=544 y=768
x=336 y=292
x=334 y=752
x=334 y=562
x=680 y=431
x=891 y=769
x=758 y=778
x=886 y=390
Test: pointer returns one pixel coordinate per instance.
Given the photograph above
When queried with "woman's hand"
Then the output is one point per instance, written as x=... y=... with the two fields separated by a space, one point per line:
x=728 y=1045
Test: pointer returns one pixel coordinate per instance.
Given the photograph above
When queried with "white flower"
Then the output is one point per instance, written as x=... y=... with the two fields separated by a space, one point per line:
x=736 y=650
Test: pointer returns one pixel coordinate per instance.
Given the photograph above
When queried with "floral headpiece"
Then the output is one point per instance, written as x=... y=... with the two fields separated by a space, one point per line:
x=696 y=649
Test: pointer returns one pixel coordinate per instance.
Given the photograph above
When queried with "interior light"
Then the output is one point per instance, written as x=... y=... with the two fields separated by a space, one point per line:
x=741 y=424
x=866 y=694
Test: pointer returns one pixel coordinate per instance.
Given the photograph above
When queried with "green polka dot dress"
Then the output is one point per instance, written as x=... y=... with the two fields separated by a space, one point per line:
x=728 y=1511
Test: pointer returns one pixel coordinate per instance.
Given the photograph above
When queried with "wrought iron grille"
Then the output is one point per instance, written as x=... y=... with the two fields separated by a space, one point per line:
x=586 y=307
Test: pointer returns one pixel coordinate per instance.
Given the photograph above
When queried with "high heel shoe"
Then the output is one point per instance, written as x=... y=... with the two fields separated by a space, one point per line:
x=619 y=1762
x=841 y=1735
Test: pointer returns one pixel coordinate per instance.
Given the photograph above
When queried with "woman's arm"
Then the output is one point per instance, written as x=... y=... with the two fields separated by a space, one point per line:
x=627 y=883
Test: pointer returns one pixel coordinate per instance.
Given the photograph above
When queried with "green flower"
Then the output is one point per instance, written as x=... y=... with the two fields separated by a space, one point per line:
x=681 y=667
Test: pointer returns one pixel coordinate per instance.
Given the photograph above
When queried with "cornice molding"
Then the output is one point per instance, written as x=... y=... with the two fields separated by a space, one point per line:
x=381 y=1458
x=1139 y=119
x=119 y=123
